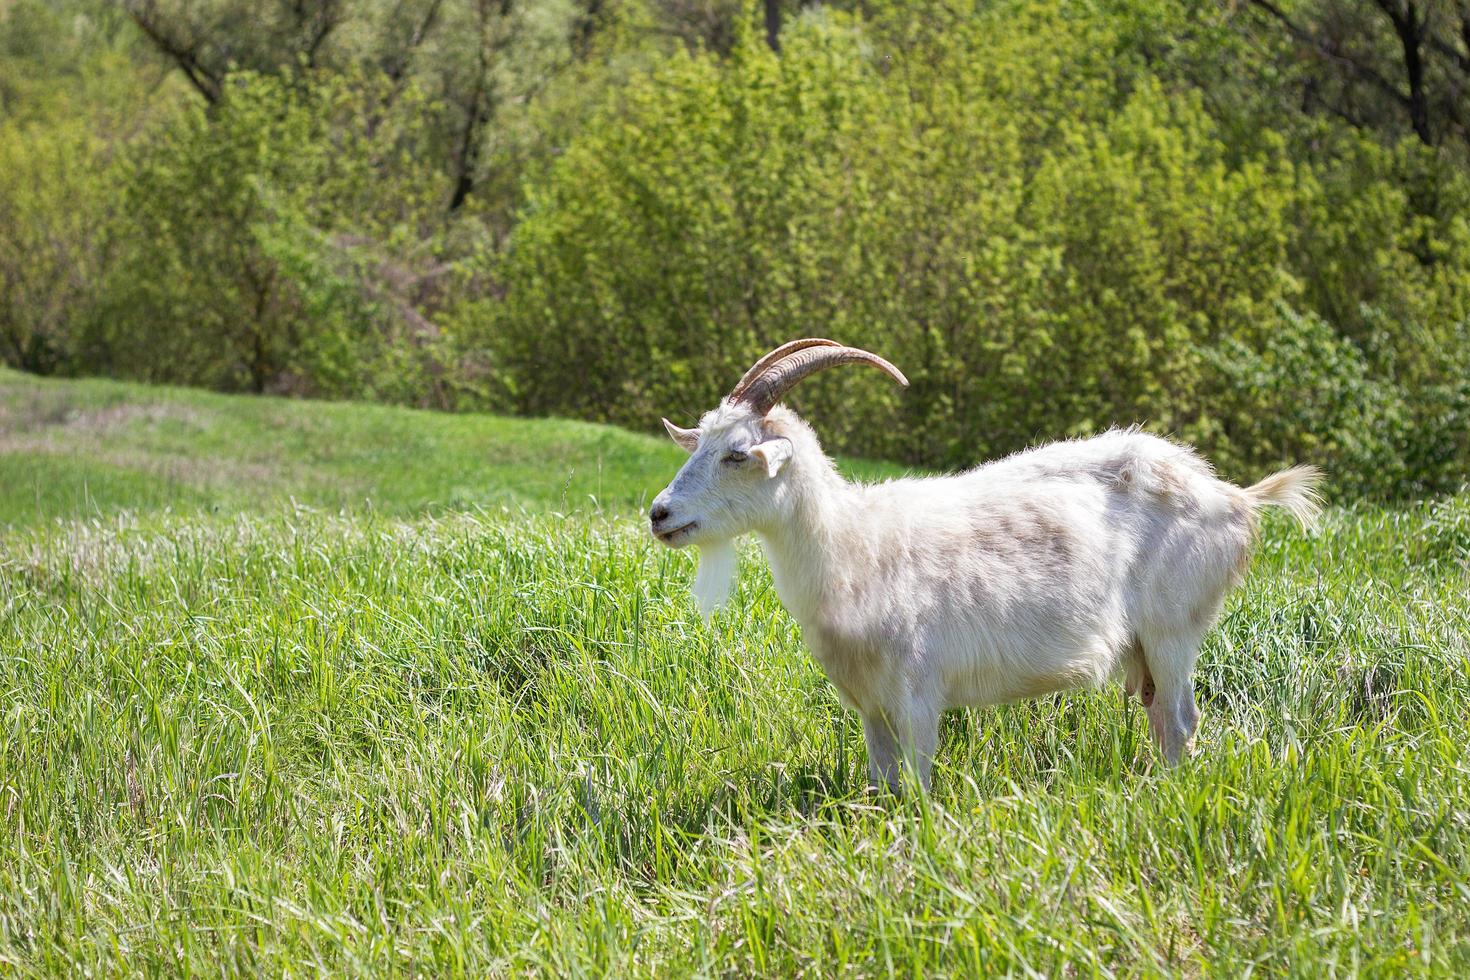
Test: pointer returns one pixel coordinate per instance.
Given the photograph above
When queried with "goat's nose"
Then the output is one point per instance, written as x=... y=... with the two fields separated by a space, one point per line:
x=659 y=514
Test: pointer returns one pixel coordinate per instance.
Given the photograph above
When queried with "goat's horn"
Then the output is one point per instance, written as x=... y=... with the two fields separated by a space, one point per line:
x=760 y=367
x=765 y=391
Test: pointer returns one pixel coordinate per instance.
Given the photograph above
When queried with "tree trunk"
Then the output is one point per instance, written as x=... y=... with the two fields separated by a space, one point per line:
x=1410 y=30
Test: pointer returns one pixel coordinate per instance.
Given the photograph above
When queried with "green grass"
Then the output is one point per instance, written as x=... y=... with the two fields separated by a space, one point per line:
x=242 y=736
x=90 y=448
x=93 y=447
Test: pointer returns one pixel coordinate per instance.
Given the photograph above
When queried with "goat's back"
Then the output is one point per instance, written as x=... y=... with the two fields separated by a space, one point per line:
x=1044 y=570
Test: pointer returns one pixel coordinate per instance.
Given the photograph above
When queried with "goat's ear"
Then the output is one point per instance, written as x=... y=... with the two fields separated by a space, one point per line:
x=687 y=438
x=773 y=453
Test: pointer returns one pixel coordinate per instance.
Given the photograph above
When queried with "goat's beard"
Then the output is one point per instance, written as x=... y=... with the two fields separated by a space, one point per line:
x=716 y=575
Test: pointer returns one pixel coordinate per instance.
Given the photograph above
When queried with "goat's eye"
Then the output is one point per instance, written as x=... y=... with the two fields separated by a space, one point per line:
x=736 y=457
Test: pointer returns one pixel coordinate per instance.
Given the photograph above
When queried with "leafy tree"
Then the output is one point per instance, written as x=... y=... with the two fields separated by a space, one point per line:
x=275 y=242
x=1390 y=65
x=1245 y=225
x=1048 y=235
x=470 y=57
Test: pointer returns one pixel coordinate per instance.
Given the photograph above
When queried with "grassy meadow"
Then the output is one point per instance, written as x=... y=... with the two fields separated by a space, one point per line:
x=312 y=688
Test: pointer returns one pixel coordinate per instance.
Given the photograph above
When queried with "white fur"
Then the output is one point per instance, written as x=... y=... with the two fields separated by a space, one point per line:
x=1051 y=569
x=716 y=575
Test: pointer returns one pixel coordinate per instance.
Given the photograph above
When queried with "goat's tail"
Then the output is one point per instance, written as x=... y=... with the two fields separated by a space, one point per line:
x=1294 y=490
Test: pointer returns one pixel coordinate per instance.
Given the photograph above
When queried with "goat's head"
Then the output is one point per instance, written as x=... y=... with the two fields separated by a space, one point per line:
x=734 y=479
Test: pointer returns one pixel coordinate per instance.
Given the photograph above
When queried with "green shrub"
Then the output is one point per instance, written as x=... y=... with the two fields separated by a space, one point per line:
x=1307 y=393
x=275 y=243
x=1011 y=207
x=55 y=193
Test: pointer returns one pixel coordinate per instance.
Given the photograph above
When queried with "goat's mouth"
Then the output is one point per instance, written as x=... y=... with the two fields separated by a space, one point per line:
x=670 y=536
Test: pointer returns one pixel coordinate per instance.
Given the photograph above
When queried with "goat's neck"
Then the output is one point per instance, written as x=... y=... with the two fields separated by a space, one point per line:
x=811 y=549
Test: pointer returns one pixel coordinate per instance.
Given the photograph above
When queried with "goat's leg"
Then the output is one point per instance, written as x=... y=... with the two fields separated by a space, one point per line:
x=884 y=759
x=1137 y=680
x=900 y=739
x=923 y=739
x=1173 y=715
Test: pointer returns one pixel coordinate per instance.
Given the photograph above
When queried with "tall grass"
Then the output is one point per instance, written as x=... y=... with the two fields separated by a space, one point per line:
x=306 y=741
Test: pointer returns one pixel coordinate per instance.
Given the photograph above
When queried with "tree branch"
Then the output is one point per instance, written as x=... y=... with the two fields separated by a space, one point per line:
x=1404 y=17
x=1328 y=51
x=478 y=113
x=326 y=18
x=396 y=65
x=145 y=14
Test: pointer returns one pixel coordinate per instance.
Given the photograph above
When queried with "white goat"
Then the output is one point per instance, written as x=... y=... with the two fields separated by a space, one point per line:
x=1051 y=569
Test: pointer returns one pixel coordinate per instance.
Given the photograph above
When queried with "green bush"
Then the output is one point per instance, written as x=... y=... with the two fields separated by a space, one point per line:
x=1307 y=393
x=276 y=242
x=55 y=193
x=1041 y=234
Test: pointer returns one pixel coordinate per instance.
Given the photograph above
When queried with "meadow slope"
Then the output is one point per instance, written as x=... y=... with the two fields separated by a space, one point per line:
x=89 y=448
x=323 y=689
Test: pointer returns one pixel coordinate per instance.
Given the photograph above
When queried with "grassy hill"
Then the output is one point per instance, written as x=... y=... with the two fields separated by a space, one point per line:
x=428 y=736
x=86 y=448
x=71 y=448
